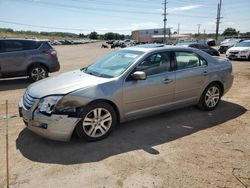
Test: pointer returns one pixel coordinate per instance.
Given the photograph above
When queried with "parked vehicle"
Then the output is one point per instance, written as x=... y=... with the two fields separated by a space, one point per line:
x=239 y=51
x=25 y=57
x=124 y=85
x=199 y=46
x=110 y=42
x=211 y=42
x=225 y=45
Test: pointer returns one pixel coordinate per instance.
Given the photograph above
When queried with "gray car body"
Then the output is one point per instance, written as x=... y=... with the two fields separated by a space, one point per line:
x=135 y=98
x=17 y=63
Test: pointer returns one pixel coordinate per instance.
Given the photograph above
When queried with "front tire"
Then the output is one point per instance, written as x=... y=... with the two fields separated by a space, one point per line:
x=210 y=97
x=38 y=72
x=98 y=120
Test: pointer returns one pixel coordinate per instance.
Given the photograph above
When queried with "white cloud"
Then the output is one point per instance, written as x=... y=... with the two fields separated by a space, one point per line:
x=133 y=26
x=184 y=8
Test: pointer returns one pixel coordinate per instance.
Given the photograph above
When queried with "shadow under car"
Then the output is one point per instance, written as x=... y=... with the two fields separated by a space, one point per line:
x=137 y=134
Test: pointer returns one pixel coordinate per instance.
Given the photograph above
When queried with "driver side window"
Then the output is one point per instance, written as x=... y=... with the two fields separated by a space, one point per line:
x=155 y=64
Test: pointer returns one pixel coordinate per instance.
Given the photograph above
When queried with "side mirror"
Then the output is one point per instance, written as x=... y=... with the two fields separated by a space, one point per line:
x=139 y=75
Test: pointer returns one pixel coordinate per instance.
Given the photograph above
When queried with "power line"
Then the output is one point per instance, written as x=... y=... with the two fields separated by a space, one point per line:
x=61 y=28
x=107 y=10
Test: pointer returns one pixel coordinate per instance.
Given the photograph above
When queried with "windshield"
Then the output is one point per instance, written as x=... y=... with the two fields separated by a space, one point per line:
x=113 y=64
x=243 y=44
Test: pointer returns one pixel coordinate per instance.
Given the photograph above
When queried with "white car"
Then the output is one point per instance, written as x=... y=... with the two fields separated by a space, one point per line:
x=239 y=51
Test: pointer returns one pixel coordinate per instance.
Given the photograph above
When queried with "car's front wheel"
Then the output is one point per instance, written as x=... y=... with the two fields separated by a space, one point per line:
x=38 y=72
x=210 y=97
x=97 y=122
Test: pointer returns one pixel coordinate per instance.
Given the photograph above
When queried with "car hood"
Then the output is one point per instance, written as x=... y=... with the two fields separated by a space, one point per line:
x=64 y=84
x=239 y=48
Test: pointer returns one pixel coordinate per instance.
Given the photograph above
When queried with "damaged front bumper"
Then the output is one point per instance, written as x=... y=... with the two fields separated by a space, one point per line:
x=55 y=127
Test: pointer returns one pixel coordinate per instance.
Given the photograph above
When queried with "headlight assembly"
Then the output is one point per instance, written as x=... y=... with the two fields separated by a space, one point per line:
x=47 y=104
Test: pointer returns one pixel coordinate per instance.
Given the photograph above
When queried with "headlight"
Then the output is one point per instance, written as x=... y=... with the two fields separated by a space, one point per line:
x=243 y=51
x=47 y=104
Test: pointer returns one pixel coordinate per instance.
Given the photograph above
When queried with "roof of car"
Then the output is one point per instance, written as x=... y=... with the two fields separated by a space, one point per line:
x=29 y=39
x=147 y=48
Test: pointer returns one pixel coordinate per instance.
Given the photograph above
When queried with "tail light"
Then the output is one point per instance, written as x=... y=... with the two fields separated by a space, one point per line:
x=51 y=52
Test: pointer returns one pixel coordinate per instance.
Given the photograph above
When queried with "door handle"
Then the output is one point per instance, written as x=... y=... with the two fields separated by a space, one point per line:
x=205 y=73
x=167 y=81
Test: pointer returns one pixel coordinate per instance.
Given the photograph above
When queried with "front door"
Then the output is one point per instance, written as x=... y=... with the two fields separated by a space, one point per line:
x=154 y=93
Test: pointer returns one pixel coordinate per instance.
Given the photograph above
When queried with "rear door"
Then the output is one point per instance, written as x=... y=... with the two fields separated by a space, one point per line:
x=191 y=76
x=12 y=57
x=154 y=93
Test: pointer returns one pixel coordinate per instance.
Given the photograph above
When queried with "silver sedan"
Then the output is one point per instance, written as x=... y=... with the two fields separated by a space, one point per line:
x=124 y=85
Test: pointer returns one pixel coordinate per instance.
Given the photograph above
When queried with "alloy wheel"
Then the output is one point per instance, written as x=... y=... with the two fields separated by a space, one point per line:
x=97 y=122
x=212 y=97
x=38 y=73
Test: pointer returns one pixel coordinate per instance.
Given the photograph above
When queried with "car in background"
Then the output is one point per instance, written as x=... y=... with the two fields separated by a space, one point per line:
x=200 y=46
x=239 y=51
x=228 y=43
x=124 y=85
x=211 y=42
x=26 y=57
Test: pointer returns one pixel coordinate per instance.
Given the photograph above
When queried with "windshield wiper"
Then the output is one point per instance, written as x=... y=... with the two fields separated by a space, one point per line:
x=86 y=70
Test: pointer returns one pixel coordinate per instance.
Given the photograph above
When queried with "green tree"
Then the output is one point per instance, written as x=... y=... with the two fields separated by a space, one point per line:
x=109 y=36
x=93 y=35
x=230 y=32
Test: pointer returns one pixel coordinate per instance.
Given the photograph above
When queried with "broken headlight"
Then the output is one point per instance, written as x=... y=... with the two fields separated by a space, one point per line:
x=47 y=104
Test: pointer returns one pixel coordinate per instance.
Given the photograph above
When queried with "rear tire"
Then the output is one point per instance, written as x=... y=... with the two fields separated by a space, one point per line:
x=98 y=120
x=38 y=72
x=210 y=97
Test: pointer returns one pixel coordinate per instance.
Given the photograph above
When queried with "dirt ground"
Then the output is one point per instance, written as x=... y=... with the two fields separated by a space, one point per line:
x=182 y=148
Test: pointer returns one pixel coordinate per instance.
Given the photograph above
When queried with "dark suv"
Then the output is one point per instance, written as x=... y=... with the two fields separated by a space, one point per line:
x=26 y=57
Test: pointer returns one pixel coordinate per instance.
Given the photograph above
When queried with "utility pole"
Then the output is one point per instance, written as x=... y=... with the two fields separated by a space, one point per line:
x=218 y=20
x=178 y=31
x=199 y=26
x=165 y=20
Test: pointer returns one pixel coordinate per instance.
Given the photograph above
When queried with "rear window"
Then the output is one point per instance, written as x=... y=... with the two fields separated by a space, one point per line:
x=47 y=45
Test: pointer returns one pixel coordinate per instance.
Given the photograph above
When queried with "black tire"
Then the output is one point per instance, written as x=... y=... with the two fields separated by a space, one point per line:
x=91 y=127
x=203 y=105
x=38 y=72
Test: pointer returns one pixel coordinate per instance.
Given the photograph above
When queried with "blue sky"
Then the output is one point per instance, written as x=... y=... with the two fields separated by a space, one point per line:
x=84 y=16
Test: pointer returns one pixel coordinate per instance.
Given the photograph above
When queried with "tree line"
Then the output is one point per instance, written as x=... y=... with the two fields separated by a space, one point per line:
x=92 y=35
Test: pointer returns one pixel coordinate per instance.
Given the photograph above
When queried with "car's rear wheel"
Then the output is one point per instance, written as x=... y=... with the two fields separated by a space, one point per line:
x=210 y=97
x=98 y=120
x=38 y=72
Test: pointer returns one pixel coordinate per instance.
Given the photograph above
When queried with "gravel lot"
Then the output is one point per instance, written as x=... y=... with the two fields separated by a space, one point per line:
x=182 y=148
